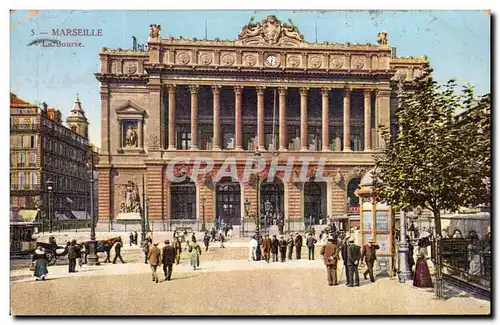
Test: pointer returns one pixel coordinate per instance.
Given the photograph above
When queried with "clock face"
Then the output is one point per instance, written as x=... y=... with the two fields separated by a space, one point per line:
x=272 y=60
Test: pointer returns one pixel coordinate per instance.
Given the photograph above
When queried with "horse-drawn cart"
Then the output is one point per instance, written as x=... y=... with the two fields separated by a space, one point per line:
x=52 y=250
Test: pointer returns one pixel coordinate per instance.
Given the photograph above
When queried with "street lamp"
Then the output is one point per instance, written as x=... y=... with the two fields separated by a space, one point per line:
x=92 y=258
x=258 y=252
x=203 y=226
x=50 y=187
x=403 y=249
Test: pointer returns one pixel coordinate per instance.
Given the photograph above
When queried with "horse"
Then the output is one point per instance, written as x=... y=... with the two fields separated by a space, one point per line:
x=102 y=246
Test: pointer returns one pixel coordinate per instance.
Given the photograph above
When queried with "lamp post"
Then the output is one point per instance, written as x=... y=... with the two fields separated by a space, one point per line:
x=247 y=211
x=50 y=187
x=203 y=226
x=92 y=258
x=404 y=268
x=258 y=252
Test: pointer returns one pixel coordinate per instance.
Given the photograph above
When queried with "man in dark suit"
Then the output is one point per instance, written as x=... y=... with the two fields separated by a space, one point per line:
x=282 y=245
x=118 y=250
x=370 y=255
x=135 y=237
x=298 y=245
x=310 y=241
x=274 y=248
x=266 y=247
x=168 y=253
x=330 y=253
x=178 y=249
x=206 y=240
x=73 y=251
x=343 y=251
x=353 y=257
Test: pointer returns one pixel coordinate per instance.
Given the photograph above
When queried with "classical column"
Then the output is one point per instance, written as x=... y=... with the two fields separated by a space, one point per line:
x=282 y=100
x=194 y=116
x=260 y=117
x=382 y=114
x=325 y=139
x=303 y=119
x=368 y=119
x=171 y=117
x=347 y=119
x=216 y=92
x=238 y=92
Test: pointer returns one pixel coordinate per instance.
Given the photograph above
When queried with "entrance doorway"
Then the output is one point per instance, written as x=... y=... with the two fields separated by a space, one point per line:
x=314 y=202
x=228 y=201
x=183 y=200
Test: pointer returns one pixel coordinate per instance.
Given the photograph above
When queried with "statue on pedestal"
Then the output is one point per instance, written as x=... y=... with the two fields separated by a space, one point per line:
x=130 y=137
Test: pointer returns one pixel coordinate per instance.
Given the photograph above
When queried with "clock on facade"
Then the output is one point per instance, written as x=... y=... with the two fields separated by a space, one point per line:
x=272 y=60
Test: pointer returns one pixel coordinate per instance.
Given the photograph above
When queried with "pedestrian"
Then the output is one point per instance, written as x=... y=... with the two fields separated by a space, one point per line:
x=195 y=251
x=193 y=236
x=145 y=249
x=118 y=249
x=310 y=242
x=281 y=225
x=289 y=244
x=131 y=238
x=353 y=257
x=343 y=252
x=213 y=233
x=154 y=260
x=298 y=245
x=178 y=249
x=266 y=247
x=422 y=277
x=369 y=255
x=330 y=253
x=274 y=248
x=221 y=239
x=73 y=250
x=135 y=237
x=40 y=264
x=282 y=245
x=252 y=246
x=168 y=258
x=206 y=240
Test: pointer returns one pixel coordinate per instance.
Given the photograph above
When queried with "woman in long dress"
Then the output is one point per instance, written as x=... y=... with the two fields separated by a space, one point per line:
x=40 y=260
x=195 y=250
x=422 y=276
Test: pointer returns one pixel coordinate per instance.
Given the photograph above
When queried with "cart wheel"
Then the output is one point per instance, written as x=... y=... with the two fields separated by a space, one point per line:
x=51 y=257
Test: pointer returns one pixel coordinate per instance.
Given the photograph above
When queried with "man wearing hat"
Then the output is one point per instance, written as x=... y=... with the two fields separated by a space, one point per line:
x=168 y=259
x=330 y=253
x=369 y=255
x=154 y=260
x=266 y=247
x=343 y=252
x=298 y=245
x=282 y=246
x=206 y=240
x=274 y=248
x=353 y=257
x=310 y=242
x=289 y=244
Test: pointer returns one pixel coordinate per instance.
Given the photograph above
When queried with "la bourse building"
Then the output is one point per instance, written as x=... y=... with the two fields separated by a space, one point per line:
x=268 y=91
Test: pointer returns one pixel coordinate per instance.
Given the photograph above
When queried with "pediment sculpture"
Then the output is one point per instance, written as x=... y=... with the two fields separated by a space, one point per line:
x=271 y=31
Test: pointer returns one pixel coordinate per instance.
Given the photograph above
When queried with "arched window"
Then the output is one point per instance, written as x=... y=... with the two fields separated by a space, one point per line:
x=228 y=198
x=183 y=200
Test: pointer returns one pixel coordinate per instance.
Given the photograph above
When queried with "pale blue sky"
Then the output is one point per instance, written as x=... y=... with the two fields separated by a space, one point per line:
x=457 y=44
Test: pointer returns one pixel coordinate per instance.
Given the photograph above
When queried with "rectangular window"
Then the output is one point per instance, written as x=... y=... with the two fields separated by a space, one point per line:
x=32 y=159
x=21 y=178
x=21 y=159
x=20 y=140
x=33 y=178
x=32 y=142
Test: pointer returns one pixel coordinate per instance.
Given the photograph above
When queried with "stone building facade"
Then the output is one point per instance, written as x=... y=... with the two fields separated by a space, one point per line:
x=268 y=91
x=42 y=149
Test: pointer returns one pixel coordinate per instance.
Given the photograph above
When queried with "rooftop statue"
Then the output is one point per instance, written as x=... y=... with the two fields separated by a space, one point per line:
x=270 y=31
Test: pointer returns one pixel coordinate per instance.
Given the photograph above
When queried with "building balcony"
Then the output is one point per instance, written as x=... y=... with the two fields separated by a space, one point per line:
x=22 y=127
x=24 y=187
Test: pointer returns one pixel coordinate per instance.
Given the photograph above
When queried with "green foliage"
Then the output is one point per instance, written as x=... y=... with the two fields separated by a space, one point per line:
x=439 y=159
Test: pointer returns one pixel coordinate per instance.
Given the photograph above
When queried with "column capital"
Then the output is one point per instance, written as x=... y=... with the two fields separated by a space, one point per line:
x=383 y=92
x=367 y=92
x=347 y=91
x=171 y=88
x=303 y=91
x=325 y=91
x=238 y=90
x=282 y=90
x=216 y=89
x=260 y=90
x=194 y=89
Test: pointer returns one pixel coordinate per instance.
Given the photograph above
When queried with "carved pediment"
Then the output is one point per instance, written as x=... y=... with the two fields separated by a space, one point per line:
x=129 y=108
x=271 y=31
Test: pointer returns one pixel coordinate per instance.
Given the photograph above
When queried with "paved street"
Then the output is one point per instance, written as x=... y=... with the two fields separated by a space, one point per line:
x=227 y=284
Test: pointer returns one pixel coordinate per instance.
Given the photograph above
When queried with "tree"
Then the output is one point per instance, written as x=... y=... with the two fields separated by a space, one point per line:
x=438 y=159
